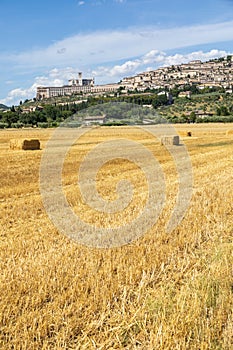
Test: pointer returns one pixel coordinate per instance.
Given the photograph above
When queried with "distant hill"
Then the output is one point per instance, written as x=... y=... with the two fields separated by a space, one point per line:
x=3 y=106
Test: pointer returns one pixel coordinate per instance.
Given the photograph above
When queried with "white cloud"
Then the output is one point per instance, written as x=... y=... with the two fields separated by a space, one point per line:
x=97 y=48
x=156 y=59
x=118 y=70
x=15 y=95
x=55 y=77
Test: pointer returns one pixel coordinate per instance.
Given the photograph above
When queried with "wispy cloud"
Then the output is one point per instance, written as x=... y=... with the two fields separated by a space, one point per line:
x=107 y=46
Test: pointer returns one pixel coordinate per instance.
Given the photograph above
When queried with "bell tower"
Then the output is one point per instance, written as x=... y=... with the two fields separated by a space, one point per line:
x=80 y=79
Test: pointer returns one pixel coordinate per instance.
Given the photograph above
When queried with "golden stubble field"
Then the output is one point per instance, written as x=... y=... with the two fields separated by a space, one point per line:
x=162 y=291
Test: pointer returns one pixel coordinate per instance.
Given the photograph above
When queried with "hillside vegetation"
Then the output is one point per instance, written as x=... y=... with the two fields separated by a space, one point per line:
x=220 y=105
x=52 y=112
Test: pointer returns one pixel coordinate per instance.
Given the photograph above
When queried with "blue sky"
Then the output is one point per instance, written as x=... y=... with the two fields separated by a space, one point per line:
x=49 y=41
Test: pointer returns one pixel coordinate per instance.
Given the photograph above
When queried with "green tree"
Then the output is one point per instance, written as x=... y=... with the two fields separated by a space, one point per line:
x=193 y=117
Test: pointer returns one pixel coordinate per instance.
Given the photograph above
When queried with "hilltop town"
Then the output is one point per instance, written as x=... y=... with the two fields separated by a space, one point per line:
x=190 y=92
x=214 y=73
x=217 y=72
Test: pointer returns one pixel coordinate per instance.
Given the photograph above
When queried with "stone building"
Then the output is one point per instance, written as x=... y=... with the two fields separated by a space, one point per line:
x=75 y=86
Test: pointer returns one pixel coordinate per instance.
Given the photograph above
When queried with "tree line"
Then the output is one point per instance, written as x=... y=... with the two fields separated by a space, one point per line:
x=53 y=114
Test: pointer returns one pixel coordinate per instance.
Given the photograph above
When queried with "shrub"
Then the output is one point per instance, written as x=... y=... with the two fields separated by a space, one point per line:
x=3 y=125
x=43 y=125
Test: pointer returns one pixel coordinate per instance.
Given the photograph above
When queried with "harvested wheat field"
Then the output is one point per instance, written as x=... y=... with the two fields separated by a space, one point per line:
x=161 y=291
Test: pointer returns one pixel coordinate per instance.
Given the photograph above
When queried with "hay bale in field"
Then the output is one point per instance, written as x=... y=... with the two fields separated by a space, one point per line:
x=19 y=144
x=170 y=140
x=31 y=144
x=229 y=132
